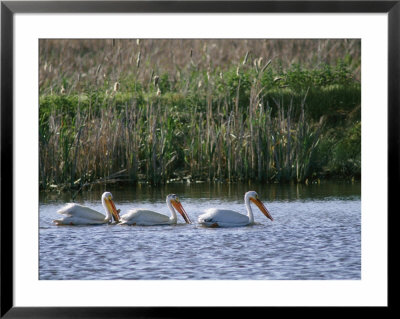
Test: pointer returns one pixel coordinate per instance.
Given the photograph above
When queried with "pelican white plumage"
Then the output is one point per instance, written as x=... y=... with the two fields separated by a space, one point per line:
x=215 y=217
x=76 y=214
x=144 y=217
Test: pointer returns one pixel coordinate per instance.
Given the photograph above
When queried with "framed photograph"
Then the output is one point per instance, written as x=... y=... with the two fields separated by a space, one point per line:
x=161 y=156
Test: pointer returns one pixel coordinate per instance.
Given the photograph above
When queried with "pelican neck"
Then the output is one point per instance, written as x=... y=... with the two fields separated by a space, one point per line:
x=248 y=207
x=108 y=214
x=173 y=217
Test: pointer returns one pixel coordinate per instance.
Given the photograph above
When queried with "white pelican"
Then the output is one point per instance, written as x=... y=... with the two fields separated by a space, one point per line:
x=76 y=214
x=215 y=217
x=145 y=217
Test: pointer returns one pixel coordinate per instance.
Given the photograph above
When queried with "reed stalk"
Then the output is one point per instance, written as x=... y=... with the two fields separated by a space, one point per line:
x=199 y=121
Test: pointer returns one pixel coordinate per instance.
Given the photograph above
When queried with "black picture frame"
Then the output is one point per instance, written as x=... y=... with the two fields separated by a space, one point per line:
x=9 y=8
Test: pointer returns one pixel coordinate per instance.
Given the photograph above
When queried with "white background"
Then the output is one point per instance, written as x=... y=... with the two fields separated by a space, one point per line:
x=371 y=290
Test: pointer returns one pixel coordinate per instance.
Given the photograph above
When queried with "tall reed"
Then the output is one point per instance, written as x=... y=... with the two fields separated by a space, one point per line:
x=248 y=121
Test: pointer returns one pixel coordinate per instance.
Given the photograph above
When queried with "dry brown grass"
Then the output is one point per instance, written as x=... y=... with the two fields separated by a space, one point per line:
x=88 y=64
x=217 y=123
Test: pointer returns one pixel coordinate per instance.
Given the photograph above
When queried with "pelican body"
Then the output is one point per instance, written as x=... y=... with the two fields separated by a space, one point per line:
x=76 y=214
x=143 y=217
x=215 y=217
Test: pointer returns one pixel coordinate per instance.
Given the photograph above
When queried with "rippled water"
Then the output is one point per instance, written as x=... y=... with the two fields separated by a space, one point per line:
x=316 y=234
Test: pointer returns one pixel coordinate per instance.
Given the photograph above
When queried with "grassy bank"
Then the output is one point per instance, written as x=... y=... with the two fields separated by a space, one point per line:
x=249 y=119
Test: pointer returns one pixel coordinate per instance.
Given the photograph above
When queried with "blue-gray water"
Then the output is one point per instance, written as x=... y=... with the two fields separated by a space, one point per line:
x=316 y=234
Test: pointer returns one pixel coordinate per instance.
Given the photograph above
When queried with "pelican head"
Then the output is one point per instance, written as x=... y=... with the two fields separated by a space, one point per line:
x=108 y=203
x=253 y=196
x=174 y=200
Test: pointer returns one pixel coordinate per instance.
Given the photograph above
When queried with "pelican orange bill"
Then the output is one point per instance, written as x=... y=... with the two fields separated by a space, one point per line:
x=114 y=210
x=180 y=209
x=261 y=206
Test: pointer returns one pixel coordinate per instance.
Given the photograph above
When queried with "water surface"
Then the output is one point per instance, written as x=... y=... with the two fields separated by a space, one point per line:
x=316 y=234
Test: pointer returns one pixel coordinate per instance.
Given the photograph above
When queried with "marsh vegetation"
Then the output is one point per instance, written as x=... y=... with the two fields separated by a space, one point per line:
x=158 y=111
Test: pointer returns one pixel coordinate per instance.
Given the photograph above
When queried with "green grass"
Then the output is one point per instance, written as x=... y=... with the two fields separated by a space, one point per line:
x=250 y=121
